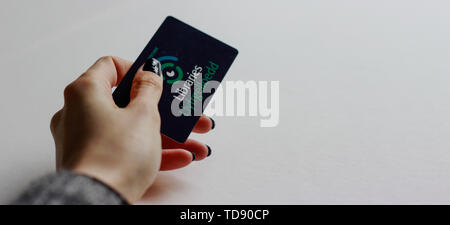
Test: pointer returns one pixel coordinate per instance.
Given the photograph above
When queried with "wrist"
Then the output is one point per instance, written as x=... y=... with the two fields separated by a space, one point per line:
x=116 y=178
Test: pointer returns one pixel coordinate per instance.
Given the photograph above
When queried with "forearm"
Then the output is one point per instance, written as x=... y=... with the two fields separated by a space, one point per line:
x=66 y=187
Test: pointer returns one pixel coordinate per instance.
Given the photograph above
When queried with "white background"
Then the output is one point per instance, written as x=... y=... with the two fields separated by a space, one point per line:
x=364 y=95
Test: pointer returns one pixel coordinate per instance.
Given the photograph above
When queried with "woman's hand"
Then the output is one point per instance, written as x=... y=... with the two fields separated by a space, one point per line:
x=176 y=155
x=122 y=147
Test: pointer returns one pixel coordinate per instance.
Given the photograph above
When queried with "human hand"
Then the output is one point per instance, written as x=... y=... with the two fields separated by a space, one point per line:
x=177 y=155
x=119 y=146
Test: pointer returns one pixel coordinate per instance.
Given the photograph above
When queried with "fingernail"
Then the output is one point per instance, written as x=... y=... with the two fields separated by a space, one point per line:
x=153 y=65
x=209 y=150
x=213 y=123
x=193 y=156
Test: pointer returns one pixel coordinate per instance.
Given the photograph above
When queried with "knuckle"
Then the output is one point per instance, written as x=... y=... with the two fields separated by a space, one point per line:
x=55 y=120
x=69 y=90
x=86 y=82
x=147 y=80
x=52 y=124
x=105 y=59
x=79 y=86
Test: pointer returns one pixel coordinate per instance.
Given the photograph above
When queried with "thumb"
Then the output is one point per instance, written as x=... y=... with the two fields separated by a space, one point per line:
x=147 y=85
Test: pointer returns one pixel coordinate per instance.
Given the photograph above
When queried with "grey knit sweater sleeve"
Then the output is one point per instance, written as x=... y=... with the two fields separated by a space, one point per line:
x=65 y=187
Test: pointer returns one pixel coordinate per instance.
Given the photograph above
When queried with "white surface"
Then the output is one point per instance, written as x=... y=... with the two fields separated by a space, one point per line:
x=364 y=90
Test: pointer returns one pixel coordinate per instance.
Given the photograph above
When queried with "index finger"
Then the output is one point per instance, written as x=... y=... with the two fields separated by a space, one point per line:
x=108 y=69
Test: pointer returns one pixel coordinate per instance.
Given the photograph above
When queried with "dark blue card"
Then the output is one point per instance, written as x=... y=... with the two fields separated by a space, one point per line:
x=193 y=64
